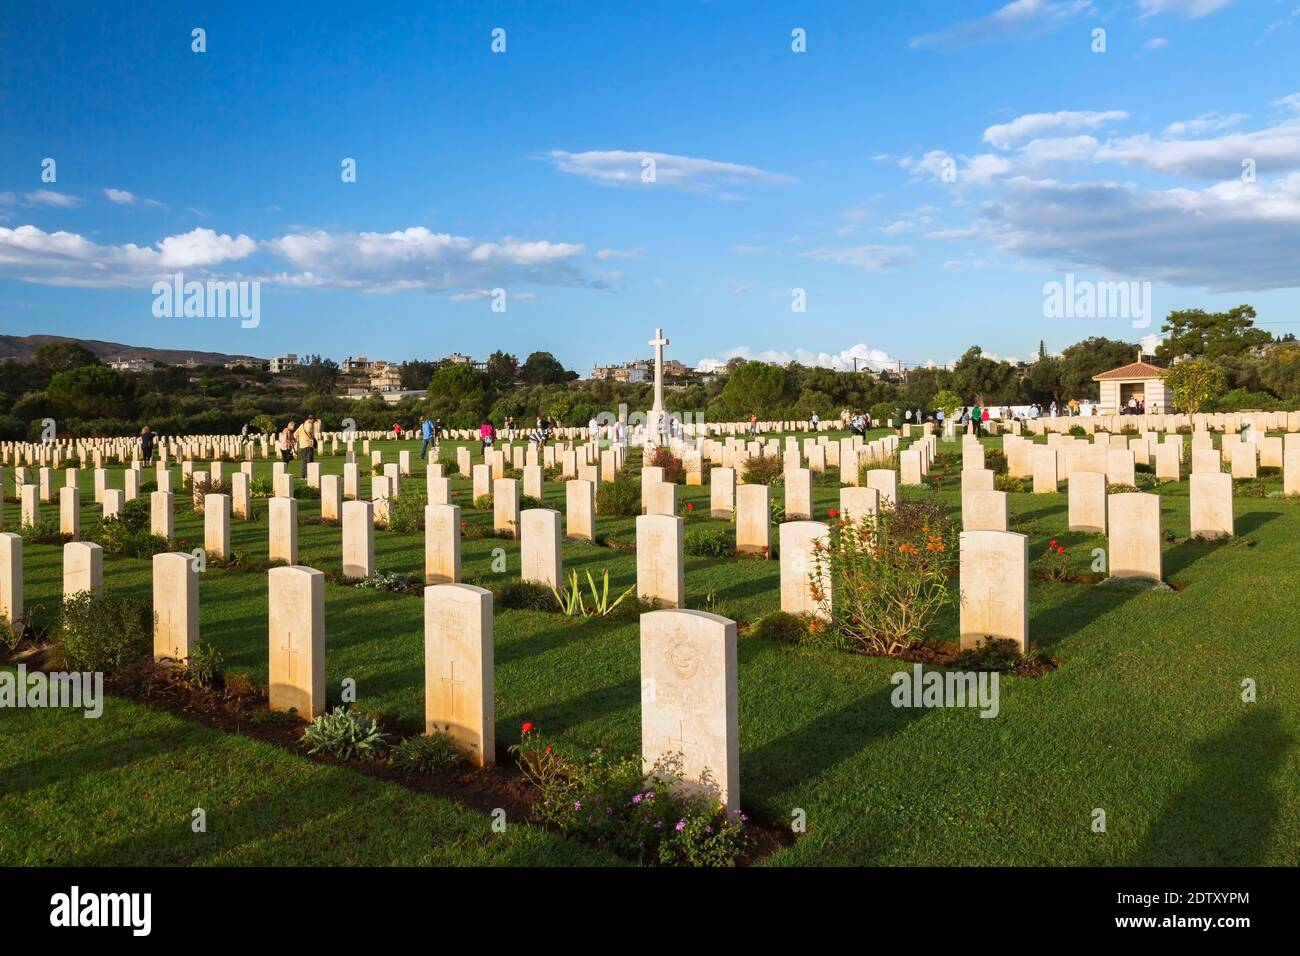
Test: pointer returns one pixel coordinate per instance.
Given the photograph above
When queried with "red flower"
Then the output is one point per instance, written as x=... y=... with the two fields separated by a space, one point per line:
x=690 y=506
x=831 y=512
x=1052 y=543
x=548 y=748
x=528 y=725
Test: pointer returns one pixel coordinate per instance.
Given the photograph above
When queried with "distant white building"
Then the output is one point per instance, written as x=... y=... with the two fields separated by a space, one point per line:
x=284 y=363
x=633 y=372
x=385 y=376
x=358 y=365
x=120 y=364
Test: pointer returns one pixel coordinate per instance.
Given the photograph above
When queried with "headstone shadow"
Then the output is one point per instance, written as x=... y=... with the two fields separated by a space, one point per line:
x=1226 y=814
x=825 y=741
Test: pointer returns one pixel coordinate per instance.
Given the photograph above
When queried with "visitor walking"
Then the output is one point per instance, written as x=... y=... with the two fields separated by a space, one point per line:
x=146 y=445
x=486 y=435
x=426 y=437
x=286 y=442
x=816 y=422
x=305 y=441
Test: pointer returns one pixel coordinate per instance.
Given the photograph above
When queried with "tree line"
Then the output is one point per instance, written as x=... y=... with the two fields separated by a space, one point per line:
x=1219 y=361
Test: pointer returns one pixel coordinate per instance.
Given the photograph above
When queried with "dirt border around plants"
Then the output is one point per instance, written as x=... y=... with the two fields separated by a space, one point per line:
x=246 y=714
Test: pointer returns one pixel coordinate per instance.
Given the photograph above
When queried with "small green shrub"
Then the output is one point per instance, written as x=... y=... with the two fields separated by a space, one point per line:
x=261 y=487
x=618 y=499
x=44 y=531
x=763 y=470
x=527 y=596
x=995 y=461
x=427 y=754
x=998 y=654
x=528 y=501
x=344 y=734
x=205 y=667
x=128 y=533
x=710 y=543
x=449 y=464
x=406 y=510
x=101 y=633
x=483 y=502
x=1007 y=483
x=782 y=627
x=1078 y=431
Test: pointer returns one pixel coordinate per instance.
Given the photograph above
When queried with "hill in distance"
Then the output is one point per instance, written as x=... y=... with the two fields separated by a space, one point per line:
x=21 y=348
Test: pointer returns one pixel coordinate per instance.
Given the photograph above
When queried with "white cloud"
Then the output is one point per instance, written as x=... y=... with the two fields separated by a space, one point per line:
x=1156 y=43
x=1275 y=148
x=417 y=258
x=64 y=258
x=201 y=249
x=48 y=197
x=1188 y=9
x=1205 y=123
x=410 y=259
x=1286 y=21
x=1292 y=100
x=871 y=258
x=1034 y=125
x=939 y=164
x=1019 y=19
x=1231 y=236
x=625 y=168
x=984 y=168
x=1058 y=149
x=842 y=360
x=119 y=196
x=619 y=253
x=473 y=295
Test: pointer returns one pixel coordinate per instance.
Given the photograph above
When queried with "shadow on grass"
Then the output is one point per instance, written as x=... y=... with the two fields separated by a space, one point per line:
x=74 y=764
x=821 y=743
x=1225 y=815
x=1254 y=520
x=559 y=716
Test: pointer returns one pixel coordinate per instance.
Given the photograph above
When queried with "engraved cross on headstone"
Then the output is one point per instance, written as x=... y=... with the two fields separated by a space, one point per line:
x=450 y=683
x=680 y=740
x=290 y=649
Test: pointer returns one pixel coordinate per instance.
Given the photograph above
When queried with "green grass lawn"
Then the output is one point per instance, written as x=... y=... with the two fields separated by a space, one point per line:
x=1144 y=718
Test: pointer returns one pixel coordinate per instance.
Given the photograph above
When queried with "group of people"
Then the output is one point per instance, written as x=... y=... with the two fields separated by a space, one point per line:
x=487 y=432
x=300 y=441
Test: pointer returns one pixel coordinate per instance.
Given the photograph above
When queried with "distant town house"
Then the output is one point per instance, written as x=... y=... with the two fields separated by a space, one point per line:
x=123 y=364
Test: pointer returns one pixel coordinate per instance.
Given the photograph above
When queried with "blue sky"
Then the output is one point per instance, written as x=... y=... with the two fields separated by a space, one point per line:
x=921 y=171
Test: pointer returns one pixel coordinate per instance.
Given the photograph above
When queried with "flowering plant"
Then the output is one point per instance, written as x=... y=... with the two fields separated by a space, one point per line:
x=1055 y=562
x=888 y=573
x=655 y=818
